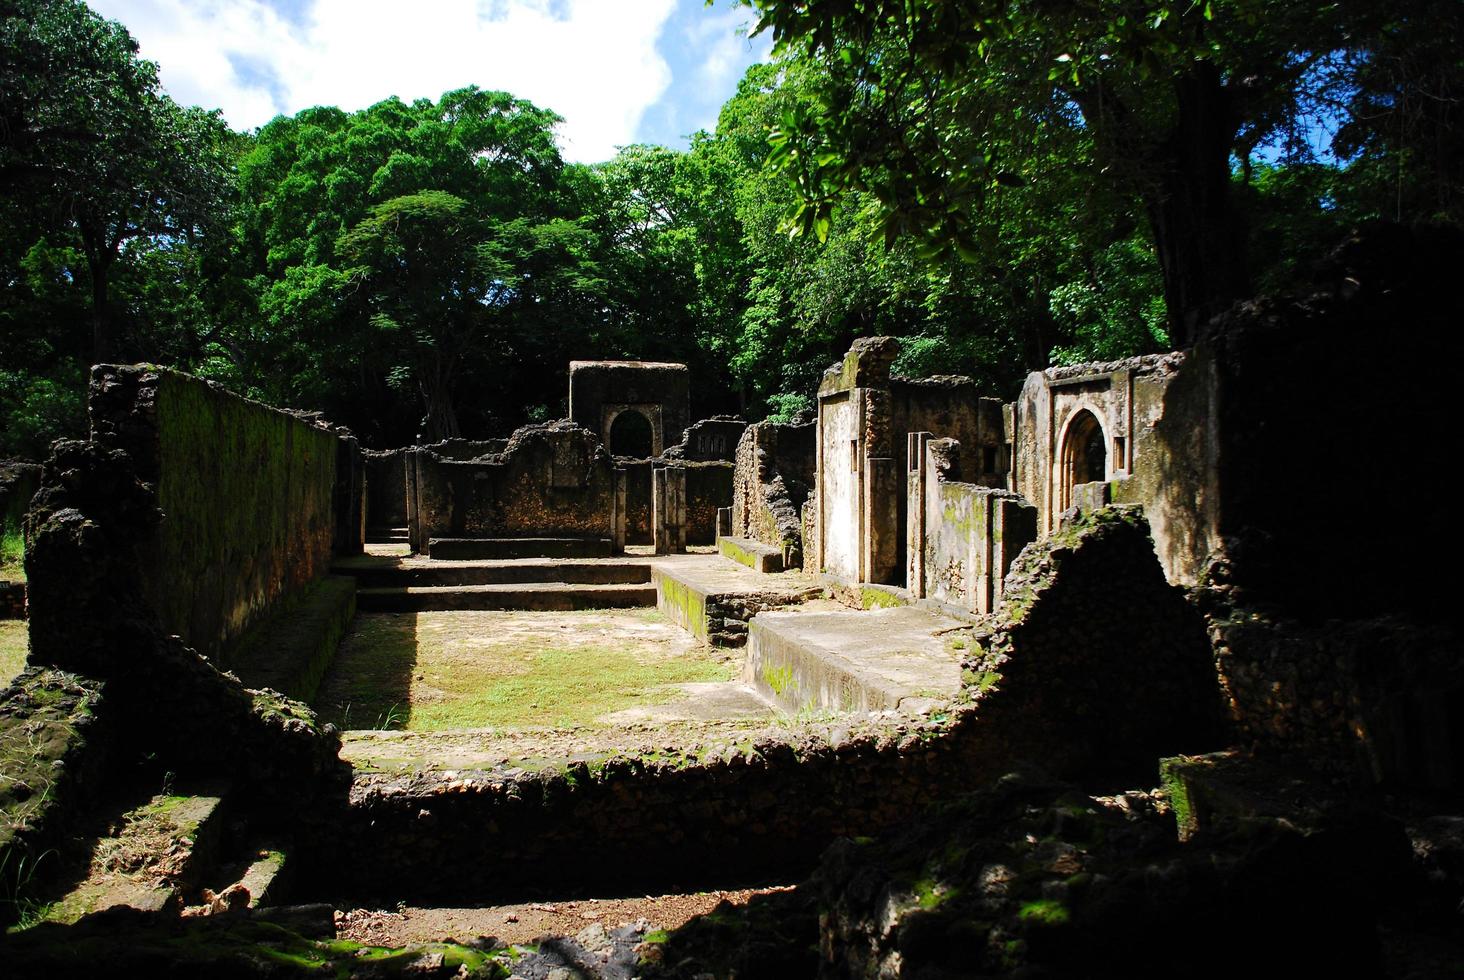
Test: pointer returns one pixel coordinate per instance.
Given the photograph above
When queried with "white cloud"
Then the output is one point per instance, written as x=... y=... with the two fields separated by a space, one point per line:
x=592 y=61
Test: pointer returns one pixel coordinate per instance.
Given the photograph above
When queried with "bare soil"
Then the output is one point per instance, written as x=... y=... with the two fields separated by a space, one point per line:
x=527 y=923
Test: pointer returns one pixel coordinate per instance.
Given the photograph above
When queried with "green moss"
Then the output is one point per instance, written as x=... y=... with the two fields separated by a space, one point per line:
x=872 y=598
x=656 y=936
x=779 y=679
x=1045 y=912
x=1171 y=777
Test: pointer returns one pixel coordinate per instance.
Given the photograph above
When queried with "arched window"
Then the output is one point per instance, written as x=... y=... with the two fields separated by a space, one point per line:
x=630 y=435
x=1084 y=455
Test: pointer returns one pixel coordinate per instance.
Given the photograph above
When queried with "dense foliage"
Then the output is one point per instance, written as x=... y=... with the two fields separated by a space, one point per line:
x=1003 y=185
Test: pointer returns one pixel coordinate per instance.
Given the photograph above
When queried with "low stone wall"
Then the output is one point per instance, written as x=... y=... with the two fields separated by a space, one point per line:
x=245 y=491
x=553 y=480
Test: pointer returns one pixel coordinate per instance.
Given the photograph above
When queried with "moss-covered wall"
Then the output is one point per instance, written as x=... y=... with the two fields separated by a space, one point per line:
x=245 y=491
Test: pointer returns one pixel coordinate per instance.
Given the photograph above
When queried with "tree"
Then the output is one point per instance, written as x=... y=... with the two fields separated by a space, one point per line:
x=90 y=140
x=940 y=107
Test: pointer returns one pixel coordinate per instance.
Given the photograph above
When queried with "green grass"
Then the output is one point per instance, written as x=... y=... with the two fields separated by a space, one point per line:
x=391 y=674
x=12 y=556
x=13 y=640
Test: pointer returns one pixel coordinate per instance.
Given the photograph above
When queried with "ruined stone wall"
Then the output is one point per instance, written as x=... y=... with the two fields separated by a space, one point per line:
x=553 y=480
x=708 y=489
x=386 y=488
x=1159 y=448
x=1098 y=667
x=601 y=390
x=709 y=439
x=773 y=478
x=951 y=408
x=964 y=536
x=18 y=483
x=637 y=500
x=246 y=494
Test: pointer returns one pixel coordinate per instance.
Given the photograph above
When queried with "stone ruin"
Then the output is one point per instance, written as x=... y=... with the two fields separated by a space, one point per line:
x=1133 y=560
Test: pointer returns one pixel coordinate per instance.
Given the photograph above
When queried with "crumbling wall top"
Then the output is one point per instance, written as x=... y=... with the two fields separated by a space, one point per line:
x=867 y=365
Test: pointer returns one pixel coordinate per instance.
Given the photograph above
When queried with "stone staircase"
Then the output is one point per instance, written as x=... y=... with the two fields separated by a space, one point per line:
x=389 y=584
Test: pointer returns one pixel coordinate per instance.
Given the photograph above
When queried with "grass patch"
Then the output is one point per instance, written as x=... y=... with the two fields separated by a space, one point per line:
x=12 y=556
x=14 y=638
x=445 y=671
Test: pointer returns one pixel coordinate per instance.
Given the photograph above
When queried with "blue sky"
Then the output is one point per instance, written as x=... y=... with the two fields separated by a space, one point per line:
x=619 y=71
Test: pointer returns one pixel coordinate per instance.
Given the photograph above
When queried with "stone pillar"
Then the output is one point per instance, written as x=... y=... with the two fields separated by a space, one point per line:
x=414 y=523
x=668 y=510
x=621 y=518
x=915 y=490
x=881 y=544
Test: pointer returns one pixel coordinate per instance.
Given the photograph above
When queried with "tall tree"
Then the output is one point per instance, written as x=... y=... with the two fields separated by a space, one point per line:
x=88 y=137
x=937 y=106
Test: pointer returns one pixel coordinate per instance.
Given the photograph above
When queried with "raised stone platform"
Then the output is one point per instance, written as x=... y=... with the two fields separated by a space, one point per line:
x=481 y=548
x=379 y=572
x=714 y=598
x=754 y=554
x=879 y=660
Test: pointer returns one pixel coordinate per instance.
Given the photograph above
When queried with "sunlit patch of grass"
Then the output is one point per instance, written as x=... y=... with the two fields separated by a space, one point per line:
x=440 y=672
x=12 y=556
x=13 y=640
x=559 y=687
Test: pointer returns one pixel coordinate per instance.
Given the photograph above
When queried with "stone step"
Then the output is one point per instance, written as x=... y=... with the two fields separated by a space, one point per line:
x=713 y=599
x=469 y=549
x=540 y=597
x=380 y=535
x=262 y=870
x=158 y=853
x=509 y=572
x=876 y=660
x=754 y=554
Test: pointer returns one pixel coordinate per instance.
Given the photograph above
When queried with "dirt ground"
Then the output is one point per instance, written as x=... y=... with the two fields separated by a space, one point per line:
x=529 y=922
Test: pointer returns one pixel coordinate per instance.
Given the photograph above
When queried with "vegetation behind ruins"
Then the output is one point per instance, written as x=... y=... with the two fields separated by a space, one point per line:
x=1001 y=199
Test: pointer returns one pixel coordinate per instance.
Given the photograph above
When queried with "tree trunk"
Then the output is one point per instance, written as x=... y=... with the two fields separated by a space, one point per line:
x=104 y=331
x=442 y=422
x=1199 y=229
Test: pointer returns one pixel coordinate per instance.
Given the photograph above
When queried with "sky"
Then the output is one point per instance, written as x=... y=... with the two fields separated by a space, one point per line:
x=618 y=71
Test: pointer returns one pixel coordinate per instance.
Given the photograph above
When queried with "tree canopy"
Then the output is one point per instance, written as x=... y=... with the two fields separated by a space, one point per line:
x=1004 y=186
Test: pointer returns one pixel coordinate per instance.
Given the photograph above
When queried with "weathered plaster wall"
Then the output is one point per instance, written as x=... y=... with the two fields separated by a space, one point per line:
x=1159 y=447
x=553 y=480
x=839 y=486
x=246 y=494
x=970 y=533
x=600 y=390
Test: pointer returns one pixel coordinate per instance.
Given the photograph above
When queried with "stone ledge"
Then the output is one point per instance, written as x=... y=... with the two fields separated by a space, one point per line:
x=714 y=599
x=879 y=660
x=754 y=554
x=291 y=652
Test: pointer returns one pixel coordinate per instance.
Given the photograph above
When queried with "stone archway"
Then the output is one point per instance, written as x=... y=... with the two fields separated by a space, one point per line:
x=1084 y=457
x=632 y=434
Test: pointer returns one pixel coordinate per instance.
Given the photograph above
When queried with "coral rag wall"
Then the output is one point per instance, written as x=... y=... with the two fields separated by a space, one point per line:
x=773 y=479
x=245 y=490
x=553 y=480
